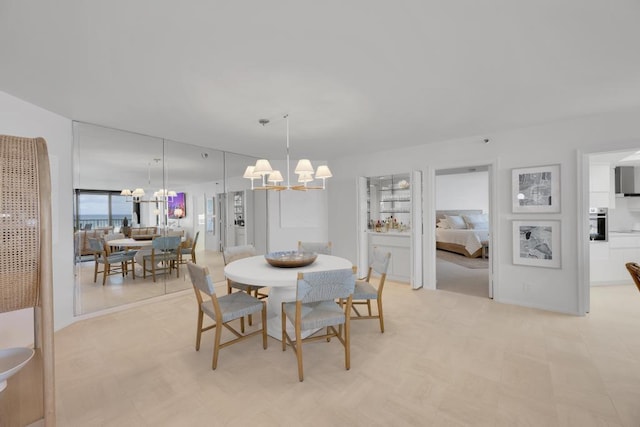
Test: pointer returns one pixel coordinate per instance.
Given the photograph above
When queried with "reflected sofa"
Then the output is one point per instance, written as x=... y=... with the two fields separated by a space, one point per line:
x=81 y=239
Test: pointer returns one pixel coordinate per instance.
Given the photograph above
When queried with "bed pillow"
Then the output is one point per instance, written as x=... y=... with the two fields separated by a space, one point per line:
x=477 y=221
x=456 y=222
x=443 y=223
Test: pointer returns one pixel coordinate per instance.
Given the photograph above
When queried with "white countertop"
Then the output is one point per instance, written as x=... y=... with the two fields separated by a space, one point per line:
x=389 y=233
x=625 y=233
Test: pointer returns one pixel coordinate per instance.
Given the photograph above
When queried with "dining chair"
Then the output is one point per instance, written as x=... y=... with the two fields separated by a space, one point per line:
x=116 y=263
x=188 y=249
x=317 y=247
x=315 y=307
x=222 y=310
x=113 y=236
x=233 y=253
x=366 y=290
x=634 y=270
x=164 y=252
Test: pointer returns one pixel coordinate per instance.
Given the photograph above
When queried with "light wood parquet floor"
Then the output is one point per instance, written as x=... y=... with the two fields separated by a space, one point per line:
x=446 y=359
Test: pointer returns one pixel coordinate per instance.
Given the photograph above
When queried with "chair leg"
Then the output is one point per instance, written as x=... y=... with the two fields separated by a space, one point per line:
x=299 y=352
x=105 y=272
x=347 y=345
x=369 y=306
x=380 y=315
x=264 y=325
x=242 y=325
x=284 y=329
x=95 y=273
x=199 y=330
x=251 y=316
x=216 y=346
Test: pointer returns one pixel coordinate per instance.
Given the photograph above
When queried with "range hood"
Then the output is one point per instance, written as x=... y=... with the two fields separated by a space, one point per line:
x=625 y=182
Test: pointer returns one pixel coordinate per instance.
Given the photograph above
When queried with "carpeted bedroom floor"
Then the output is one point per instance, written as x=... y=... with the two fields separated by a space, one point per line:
x=457 y=273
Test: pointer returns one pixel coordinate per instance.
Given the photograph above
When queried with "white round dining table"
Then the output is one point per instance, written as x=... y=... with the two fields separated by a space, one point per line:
x=130 y=243
x=281 y=281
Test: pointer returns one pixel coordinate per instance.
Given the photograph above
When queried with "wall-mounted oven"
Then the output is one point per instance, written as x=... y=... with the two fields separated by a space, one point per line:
x=598 y=224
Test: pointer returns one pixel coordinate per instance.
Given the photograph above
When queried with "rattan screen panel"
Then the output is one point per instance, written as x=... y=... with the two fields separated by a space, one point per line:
x=19 y=224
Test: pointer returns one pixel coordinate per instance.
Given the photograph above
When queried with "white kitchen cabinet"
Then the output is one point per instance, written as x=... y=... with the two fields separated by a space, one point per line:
x=607 y=259
x=633 y=203
x=399 y=246
x=601 y=186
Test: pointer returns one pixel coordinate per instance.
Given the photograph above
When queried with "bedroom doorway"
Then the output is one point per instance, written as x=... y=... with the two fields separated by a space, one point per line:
x=462 y=197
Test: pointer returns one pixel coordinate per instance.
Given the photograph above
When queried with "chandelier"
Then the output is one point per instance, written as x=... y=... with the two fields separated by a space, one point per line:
x=273 y=179
x=158 y=196
x=136 y=195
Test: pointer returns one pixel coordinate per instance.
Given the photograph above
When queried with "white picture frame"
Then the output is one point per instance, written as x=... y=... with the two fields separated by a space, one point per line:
x=536 y=189
x=537 y=243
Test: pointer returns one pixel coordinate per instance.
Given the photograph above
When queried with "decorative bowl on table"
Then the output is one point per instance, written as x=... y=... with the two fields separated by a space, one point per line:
x=290 y=259
x=144 y=236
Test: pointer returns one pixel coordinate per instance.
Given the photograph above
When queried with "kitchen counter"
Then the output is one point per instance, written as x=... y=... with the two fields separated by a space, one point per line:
x=607 y=259
x=623 y=233
x=390 y=233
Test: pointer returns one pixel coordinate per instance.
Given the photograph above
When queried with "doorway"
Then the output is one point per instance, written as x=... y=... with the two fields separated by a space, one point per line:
x=462 y=214
x=614 y=180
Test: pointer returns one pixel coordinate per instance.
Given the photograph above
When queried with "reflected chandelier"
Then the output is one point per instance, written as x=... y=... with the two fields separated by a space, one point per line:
x=274 y=181
x=136 y=195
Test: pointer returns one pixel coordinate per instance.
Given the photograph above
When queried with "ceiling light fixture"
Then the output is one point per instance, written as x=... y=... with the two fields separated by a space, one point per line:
x=273 y=179
x=136 y=195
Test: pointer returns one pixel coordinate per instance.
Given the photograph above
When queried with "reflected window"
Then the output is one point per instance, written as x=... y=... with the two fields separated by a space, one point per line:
x=99 y=209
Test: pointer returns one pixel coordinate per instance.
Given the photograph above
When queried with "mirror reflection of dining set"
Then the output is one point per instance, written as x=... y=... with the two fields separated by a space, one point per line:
x=155 y=254
x=312 y=296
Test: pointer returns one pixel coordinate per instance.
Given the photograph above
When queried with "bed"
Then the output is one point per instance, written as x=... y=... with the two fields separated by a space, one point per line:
x=462 y=238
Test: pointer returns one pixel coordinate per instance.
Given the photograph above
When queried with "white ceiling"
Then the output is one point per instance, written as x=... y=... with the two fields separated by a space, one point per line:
x=356 y=75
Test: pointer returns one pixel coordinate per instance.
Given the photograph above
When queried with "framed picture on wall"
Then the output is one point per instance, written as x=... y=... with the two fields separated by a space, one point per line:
x=177 y=206
x=536 y=243
x=536 y=189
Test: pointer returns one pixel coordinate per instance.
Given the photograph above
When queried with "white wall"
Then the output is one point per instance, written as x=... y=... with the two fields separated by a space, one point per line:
x=23 y=119
x=555 y=143
x=463 y=191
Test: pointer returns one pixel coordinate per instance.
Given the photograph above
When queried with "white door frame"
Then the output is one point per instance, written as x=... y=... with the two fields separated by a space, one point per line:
x=430 y=231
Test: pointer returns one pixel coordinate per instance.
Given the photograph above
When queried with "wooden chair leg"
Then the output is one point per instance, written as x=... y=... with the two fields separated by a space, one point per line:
x=284 y=329
x=199 y=330
x=347 y=346
x=95 y=273
x=216 y=346
x=298 y=348
x=251 y=316
x=105 y=271
x=380 y=315
x=264 y=325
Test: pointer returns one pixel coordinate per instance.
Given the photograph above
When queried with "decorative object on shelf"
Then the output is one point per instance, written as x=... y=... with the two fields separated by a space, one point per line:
x=290 y=259
x=126 y=230
x=536 y=243
x=273 y=179
x=536 y=189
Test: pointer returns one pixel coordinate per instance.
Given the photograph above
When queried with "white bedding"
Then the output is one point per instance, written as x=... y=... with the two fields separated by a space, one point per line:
x=470 y=239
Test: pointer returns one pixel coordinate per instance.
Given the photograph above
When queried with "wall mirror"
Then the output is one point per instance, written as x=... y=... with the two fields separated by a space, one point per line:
x=179 y=190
